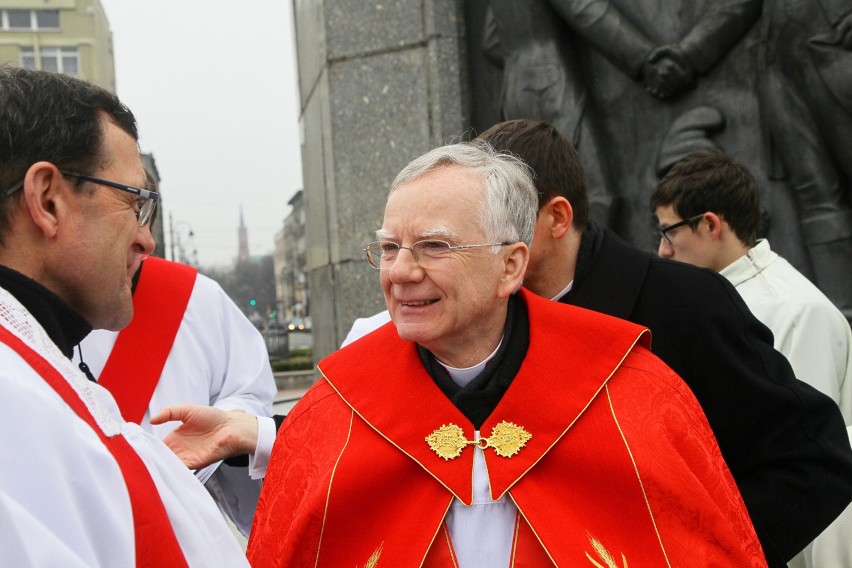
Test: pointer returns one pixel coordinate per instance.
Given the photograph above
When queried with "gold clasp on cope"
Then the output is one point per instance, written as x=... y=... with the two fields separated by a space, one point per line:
x=506 y=438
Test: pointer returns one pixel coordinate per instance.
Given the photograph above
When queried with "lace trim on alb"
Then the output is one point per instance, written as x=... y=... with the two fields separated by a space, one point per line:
x=15 y=318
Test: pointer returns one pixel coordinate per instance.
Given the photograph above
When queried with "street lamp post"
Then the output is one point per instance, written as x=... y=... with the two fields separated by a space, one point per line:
x=177 y=239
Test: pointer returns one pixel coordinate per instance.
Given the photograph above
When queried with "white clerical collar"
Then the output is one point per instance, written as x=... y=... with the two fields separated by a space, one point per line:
x=564 y=291
x=463 y=376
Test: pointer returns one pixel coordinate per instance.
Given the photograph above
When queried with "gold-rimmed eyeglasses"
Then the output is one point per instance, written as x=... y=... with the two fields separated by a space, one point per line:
x=427 y=254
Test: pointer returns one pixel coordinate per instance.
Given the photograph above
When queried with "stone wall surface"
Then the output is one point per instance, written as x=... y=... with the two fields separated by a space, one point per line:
x=380 y=83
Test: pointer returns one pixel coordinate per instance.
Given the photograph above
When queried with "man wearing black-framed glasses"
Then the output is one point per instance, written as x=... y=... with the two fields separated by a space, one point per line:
x=807 y=327
x=86 y=487
x=666 y=231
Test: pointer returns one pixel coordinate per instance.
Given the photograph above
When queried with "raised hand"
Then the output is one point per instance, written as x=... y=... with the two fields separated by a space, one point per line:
x=208 y=434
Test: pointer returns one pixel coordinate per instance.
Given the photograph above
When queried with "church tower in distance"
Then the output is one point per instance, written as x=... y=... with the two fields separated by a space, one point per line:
x=243 y=251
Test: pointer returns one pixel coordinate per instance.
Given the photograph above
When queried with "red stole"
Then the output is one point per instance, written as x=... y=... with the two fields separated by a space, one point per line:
x=156 y=543
x=134 y=366
x=351 y=476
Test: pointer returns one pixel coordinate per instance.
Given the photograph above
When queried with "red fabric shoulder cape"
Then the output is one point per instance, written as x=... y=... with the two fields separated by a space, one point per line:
x=621 y=460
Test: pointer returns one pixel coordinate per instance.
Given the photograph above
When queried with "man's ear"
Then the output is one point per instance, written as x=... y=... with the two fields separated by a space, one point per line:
x=45 y=196
x=556 y=217
x=514 y=266
x=714 y=225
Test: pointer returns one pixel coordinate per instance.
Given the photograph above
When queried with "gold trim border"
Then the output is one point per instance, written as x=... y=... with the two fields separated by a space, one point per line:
x=638 y=477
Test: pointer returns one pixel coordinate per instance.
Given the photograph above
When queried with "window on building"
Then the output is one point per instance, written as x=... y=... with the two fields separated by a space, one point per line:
x=60 y=59
x=47 y=19
x=28 y=58
x=15 y=20
x=18 y=19
x=57 y=59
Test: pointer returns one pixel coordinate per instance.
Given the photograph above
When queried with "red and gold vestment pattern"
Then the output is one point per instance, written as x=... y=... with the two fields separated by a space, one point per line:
x=621 y=468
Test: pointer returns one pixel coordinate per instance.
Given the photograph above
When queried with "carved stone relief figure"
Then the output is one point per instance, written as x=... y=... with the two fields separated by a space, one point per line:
x=805 y=67
x=635 y=84
x=542 y=79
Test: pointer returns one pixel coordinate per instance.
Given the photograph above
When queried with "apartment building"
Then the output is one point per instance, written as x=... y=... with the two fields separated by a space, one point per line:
x=290 y=263
x=68 y=36
x=71 y=37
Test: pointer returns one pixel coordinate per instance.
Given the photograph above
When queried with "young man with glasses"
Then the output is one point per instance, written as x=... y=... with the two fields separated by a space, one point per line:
x=706 y=334
x=80 y=487
x=708 y=207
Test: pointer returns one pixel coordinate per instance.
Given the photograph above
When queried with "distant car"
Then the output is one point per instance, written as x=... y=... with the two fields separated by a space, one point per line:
x=300 y=324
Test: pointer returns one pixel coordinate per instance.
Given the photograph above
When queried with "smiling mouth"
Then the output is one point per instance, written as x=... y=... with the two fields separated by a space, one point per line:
x=418 y=303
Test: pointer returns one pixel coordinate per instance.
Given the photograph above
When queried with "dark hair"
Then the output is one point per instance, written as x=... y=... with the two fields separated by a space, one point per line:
x=711 y=181
x=55 y=118
x=556 y=166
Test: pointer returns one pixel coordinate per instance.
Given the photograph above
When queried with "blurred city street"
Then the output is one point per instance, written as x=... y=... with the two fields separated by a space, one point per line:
x=291 y=386
x=300 y=339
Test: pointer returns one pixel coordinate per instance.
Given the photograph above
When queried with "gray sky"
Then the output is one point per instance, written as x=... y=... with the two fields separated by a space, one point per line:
x=213 y=86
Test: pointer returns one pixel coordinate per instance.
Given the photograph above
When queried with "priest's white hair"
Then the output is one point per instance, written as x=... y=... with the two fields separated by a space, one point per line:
x=510 y=207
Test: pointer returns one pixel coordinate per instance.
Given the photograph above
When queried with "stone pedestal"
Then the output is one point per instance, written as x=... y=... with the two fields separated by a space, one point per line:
x=381 y=83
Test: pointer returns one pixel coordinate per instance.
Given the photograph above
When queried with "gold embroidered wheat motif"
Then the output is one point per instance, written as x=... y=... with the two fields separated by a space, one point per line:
x=373 y=561
x=604 y=555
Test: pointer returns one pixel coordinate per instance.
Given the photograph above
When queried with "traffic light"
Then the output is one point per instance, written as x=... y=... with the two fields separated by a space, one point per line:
x=252 y=302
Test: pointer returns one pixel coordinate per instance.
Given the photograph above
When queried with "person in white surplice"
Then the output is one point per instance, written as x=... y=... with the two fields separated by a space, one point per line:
x=217 y=358
x=708 y=206
x=79 y=486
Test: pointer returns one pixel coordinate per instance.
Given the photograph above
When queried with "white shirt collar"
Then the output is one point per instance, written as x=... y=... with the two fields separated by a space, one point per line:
x=750 y=264
x=463 y=376
x=564 y=291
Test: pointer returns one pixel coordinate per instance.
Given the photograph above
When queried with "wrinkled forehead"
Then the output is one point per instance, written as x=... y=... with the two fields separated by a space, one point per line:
x=446 y=202
x=447 y=220
x=438 y=232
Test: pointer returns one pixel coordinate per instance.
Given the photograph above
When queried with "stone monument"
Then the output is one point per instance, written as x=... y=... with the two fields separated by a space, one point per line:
x=636 y=84
x=381 y=83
